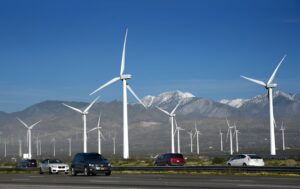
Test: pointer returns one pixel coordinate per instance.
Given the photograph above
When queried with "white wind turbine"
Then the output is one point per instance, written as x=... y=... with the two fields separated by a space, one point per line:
x=100 y=135
x=123 y=77
x=178 y=129
x=83 y=113
x=283 y=139
x=197 y=133
x=236 y=132
x=229 y=132
x=269 y=86
x=171 y=117
x=29 y=128
x=191 y=139
x=221 y=140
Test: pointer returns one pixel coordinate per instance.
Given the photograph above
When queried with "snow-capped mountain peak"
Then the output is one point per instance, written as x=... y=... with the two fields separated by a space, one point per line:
x=236 y=103
x=167 y=97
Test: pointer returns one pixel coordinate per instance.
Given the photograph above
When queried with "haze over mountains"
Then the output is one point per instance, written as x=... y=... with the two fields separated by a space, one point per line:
x=149 y=129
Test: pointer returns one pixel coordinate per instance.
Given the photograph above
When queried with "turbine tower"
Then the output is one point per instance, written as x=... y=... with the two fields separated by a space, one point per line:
x=83 y=113
x=191 y=138
x=236 y=132
x=70 y=146
x=123 y=77
x=100 y=135
x=171 y=117
x=229 y=132
x=114 y=145
x=197 y=133
x=29 y=128
x=178 y=129
x=282 y=132
x=221 y=140
x=20 y=148
x=54 y=149
x=269 y=86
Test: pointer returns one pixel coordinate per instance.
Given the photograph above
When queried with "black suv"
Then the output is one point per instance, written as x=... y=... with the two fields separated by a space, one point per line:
x=90 y=164
x=26 y=163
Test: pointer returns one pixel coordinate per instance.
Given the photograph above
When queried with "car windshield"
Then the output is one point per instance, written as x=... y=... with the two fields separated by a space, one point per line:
x=54 y=161
x=254 y=157
x=93 y=157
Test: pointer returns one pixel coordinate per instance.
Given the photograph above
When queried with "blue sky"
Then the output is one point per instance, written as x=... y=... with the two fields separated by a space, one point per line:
x=64 y=49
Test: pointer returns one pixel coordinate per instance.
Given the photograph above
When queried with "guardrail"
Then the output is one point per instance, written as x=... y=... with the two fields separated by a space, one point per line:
x=223 y=169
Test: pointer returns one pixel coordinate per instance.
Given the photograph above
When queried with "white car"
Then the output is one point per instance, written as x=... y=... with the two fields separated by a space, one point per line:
x=53 y=166
x=245 y=160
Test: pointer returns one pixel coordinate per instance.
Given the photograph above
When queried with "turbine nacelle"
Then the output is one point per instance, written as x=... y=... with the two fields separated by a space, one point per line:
x=271 y=85
x=125 y=76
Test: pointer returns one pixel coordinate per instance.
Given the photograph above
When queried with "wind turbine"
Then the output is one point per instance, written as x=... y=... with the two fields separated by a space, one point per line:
x=221 y=138
x=191 y=138
x=54 y=150
x=70 y=146
x=283 y=140
x=100 y=135
x=29 y=128
x=123 y=77
x=197 y=133
x=171 y=117
x=229 y=132
x=5 y=143
x=236 y=132
x=178 y=129
x=269 y=86
x=83 y=113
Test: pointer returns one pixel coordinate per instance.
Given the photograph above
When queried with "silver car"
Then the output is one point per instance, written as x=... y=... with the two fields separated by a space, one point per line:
x=245 y=160
x=53 y=166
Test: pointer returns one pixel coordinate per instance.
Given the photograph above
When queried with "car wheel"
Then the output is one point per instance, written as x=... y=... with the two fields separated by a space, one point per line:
x=244 y=164
x=86 y=172
x=73 y=172
x=229 y=164
x=108 y=173
x=41 y=171
x=50 y=172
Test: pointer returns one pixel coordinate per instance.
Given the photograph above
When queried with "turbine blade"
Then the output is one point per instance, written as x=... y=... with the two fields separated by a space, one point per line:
x=164 y=111
x=22 y=122
x=93 y=129
x=275 y=71
x=254 y=81
x=71 y=107
x=175 y=107
x=106 y=84
x=176 y=123
x=227 y=134
x=227 y=122
x=91 y=104
x=102 y=135
x=133 y=93
x=99 y=120
x=34 y=124
x=123 y=54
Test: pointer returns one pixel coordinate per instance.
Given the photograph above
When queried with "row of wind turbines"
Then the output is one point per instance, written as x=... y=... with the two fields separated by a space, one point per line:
x=269 y=85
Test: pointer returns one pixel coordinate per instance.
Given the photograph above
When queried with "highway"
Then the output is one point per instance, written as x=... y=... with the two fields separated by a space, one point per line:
x=124 y=181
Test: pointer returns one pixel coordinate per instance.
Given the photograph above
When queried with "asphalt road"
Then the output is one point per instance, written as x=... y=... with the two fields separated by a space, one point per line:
x=32 y=181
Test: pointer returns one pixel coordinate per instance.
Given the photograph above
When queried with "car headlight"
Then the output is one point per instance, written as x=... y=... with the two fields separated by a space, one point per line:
x=109 y=165
x=91 y=165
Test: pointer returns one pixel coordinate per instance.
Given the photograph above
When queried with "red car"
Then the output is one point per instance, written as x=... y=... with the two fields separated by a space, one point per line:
x=169 y=159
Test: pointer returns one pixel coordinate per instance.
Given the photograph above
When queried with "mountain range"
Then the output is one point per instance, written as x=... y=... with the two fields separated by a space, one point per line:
x=149 y=129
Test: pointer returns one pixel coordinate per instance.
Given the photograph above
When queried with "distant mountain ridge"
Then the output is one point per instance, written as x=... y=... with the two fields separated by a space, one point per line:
x=149 y=129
